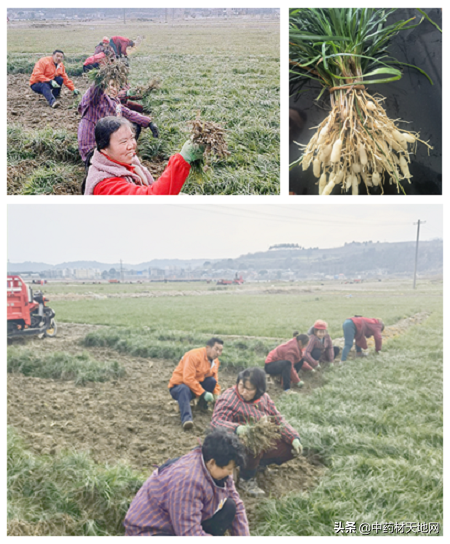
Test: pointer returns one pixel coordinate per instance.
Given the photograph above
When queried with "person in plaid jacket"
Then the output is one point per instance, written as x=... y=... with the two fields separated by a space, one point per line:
x=248 y=401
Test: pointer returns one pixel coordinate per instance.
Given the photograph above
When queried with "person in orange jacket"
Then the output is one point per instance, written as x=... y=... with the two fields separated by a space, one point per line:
x=197 y=375
x=49 y=75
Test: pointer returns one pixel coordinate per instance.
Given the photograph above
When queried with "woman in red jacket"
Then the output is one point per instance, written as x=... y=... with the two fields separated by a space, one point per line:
x=286 y=360
x=116 y=170
x=359 y=328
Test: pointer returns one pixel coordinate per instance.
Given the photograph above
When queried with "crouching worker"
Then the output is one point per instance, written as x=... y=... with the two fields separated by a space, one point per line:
x=49 y=75
x=116 y=170
x=359 y=328
x=286 y=360
x=197 y=375
x=193 y=495
x=320 y=347
x=248 y=401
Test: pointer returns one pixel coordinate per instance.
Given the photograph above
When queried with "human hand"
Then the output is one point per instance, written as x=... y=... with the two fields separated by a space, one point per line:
x=208 y=396
x=297 y=446
x=242 y=429
x=300 y=384
x=76 y=92
x=54 y=84
x=192 y=152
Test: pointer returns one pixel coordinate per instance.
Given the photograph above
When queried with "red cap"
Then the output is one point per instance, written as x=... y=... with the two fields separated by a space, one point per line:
x=105 y=39
x=319 y=324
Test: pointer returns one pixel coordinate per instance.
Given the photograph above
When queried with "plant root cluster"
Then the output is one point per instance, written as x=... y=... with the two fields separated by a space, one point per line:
x=116 y=72
x=211 y=135
x=261 y=436
x=152 y=85
x=359 y=146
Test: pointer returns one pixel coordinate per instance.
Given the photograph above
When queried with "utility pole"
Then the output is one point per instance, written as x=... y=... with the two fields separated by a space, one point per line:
x=417 y=250
x=121 y=271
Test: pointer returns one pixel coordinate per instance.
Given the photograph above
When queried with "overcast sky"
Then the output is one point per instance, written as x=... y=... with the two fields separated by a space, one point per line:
x=137 y=233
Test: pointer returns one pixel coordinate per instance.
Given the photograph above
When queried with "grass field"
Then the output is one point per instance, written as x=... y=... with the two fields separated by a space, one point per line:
x=241 y=312
x=225 y=72
x=375 y=423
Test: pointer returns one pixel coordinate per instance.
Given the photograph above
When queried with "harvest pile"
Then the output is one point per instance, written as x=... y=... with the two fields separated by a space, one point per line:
x=357 y=146
x=261 y=435
x=211 y=135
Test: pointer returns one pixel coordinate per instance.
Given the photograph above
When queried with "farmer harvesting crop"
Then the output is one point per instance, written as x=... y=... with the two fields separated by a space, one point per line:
x=49 y=75
x=320 y=347
x=248 y=401
x=98 y=102
x=104 y=47
x=286 y=360
x=116 y=170
x=119 y=45
x=193 y=495
x=359 y=328
x=197 y=375
x=94 y=61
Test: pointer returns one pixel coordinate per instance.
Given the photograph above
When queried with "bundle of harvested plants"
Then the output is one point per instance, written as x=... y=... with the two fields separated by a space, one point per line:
x=211 y=135
x=261 y=435
x=144 y=90
x=357 y=145
x=116 y=72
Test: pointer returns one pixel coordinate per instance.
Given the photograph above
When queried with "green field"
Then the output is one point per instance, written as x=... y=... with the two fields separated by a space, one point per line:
x=375 y=423
x=239 y=311
x=225 y=72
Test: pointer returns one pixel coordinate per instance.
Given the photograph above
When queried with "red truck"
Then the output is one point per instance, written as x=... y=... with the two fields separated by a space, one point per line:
x=27 y=312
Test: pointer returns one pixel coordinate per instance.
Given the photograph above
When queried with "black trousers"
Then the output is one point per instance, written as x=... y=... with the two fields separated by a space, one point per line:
x=219 y=523
x=280 y=367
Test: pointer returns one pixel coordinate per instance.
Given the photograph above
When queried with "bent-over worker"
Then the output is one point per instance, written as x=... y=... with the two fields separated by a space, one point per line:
x=359 y=328
x=193 y=495
x=286 y=360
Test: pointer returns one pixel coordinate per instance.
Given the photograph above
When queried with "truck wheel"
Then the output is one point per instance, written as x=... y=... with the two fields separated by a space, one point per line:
x=51 y=331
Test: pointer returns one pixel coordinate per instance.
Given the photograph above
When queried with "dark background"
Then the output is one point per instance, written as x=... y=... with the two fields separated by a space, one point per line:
x=411 y=99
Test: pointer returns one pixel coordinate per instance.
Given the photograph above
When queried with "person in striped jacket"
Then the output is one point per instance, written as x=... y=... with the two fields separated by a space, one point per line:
x=248 y=401
x=320 y=346
x=193 y=495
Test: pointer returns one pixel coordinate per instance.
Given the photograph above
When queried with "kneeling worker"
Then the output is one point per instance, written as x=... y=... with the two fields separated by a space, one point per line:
x=197 y=375
x=193 y=495
x=49 y=75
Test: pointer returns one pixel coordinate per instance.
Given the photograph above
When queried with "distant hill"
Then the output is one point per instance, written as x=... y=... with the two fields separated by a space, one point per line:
x=351 y=259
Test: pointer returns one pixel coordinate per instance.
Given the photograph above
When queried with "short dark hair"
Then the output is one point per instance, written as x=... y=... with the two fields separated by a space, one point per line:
x=213 y=341
x=58 y=51
x=257 y=377
x=223 y=446
x=304 y=338
x=105 y=127
x=131 y=43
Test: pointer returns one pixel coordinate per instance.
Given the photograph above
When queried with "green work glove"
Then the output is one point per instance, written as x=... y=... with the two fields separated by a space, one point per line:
x=130 y=92
x=54 y=84
x=208 y=396
x=297 y=447
x=76 y=92
x=300 y=384
x=242 y=429
x=192 y=152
